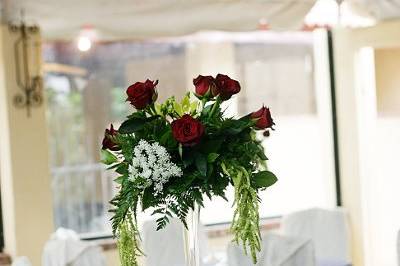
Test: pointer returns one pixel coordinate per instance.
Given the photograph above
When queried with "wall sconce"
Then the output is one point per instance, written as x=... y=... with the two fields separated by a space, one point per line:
x=27 y=67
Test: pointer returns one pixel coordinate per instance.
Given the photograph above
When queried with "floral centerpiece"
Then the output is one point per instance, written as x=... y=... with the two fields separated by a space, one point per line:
x=170 y=156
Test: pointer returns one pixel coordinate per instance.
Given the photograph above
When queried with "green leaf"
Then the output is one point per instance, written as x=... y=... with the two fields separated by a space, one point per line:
x=185 y=103
x=108 y=157
x=119 y=179
x=201 y=163
x=206 y=110
x=262 y=155
x=180 y=150
x=148 y=198
x=211 y=146
x=233 y=127
x=134 y=124
x=193 y=106
x=212 y=157
x=210 y=170
x=139 y=114
x=189 y=178
x=178 y=108
x=188 y=159
x=167 y=139
x=263 y=179
x=122 y=169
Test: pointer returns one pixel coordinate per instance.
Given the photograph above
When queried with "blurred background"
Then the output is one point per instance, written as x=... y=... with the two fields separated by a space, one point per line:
x=328 y=70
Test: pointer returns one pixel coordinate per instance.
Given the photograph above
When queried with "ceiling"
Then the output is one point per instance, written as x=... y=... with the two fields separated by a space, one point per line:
x=380 y=9
x=130 y=19
x=137 y=19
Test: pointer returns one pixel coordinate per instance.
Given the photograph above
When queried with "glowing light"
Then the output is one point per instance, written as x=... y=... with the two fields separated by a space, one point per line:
x=324 y=13
x=84 y=44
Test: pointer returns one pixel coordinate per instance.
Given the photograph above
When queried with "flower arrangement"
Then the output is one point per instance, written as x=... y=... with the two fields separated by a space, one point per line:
x=170 y=156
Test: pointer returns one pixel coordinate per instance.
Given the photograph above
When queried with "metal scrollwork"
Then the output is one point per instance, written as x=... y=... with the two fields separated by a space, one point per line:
x=27 y=56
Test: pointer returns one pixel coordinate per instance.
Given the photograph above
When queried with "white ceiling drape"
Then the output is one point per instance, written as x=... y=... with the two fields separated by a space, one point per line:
x=380 y=9
x=130 y=19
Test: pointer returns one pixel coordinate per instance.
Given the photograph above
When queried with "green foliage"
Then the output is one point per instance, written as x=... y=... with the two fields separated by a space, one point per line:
x=134 y=124
x=228 y=153
x=245 y=224
x=201 y=163
x=108 y=157
x=128 y=242
x=263 y=179
x=126 y=200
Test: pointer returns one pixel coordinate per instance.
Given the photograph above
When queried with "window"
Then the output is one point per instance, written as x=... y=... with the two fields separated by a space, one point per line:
x=85 y=92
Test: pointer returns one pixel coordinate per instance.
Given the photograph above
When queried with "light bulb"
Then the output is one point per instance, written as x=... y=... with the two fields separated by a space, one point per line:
x=84 y=44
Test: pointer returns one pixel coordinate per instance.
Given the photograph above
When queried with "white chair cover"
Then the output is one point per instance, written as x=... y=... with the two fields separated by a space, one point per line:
x=21 y=261
x=65 y=248
x=276 y=250
x=165 y=247
x=398 y=247
x=329 y=231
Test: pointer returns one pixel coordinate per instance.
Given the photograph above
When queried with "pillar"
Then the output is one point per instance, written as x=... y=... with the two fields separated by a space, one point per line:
x=24 y=164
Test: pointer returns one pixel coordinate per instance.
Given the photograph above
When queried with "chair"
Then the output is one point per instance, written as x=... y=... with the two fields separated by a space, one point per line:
x=398 y=247
x=277 y=250
x=65 y=248
x=21 y=261
x=328 y=230
x=165 y=247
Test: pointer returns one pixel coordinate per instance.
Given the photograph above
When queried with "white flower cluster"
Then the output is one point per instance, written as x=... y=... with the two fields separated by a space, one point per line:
x=152 y=164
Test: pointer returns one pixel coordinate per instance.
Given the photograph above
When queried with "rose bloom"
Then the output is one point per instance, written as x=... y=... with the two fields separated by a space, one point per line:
x=141 y=94
x=203 y=84
x=108 y=141
x=225 y=87
x=263 y=117
x=187 y=130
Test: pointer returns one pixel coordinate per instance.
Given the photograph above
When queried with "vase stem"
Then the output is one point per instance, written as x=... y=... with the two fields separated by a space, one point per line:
x=191 y=237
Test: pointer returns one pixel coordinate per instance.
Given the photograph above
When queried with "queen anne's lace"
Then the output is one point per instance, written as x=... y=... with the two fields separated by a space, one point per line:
x=152 y=164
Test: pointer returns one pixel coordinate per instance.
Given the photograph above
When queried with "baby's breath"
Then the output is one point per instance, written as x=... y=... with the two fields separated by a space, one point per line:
x=151 y=165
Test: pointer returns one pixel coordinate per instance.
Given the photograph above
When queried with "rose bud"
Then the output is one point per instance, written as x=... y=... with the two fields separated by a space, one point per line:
x=203 y=84
x=109 y=139
x=187 y=130
x=225 y=87
x=142 y=94
x=263 y=118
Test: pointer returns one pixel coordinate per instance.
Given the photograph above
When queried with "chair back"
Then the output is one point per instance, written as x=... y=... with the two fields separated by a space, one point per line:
x=328 y=229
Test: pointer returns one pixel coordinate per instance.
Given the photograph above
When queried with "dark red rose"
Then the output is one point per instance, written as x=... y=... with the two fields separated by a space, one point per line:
x=187 y=130
x=225 y=87
x=263 y=117
x=203 y=84
x=108 y=141
x=141 y=94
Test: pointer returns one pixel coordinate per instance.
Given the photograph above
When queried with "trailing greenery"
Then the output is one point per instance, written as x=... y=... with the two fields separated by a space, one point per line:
x=245 y=224
x=128 y=242
x=159 y=169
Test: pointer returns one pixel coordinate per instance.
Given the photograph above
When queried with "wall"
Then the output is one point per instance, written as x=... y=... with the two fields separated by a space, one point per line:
x=357 y=110
x=387 y=63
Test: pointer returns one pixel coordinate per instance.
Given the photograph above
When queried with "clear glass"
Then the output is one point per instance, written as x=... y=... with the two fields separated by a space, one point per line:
x=191 y=237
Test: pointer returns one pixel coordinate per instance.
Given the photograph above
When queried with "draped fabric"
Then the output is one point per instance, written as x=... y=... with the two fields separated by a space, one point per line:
x=130 y=19
x=380 y=9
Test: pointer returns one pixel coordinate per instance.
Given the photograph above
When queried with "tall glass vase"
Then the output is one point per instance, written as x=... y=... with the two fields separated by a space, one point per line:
x=191 y=237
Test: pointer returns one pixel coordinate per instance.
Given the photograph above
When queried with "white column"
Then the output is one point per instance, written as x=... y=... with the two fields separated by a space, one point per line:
x=349 y=146
x=24 y=164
